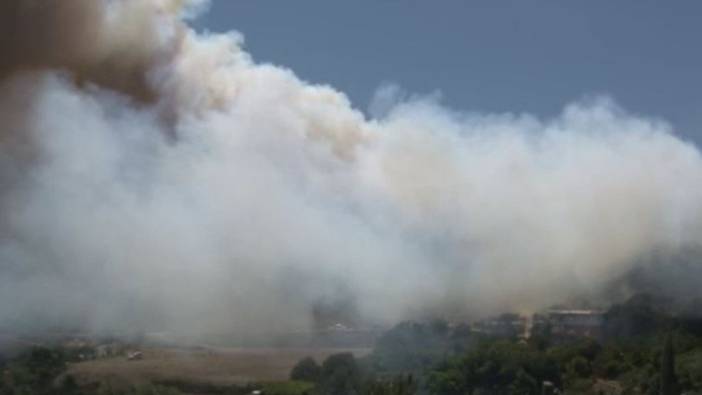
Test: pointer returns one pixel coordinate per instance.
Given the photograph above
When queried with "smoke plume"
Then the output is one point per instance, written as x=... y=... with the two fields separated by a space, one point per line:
x=156 y=177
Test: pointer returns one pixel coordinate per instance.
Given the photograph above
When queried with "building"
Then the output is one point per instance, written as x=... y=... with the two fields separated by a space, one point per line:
x=578 y=323
x=505 y=325
x=562 y=323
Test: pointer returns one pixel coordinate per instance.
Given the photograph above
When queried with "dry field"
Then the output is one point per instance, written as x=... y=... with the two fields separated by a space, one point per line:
x=220 y=366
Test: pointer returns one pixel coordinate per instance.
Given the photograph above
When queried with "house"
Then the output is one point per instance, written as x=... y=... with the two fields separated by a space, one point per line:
x=505 y=325
x=580 y=323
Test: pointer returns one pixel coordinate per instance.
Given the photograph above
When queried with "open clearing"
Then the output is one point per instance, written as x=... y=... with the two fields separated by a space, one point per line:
x=218 y=366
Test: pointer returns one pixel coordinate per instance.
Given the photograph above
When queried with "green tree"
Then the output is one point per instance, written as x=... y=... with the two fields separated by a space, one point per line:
x=399 y=385
x=341 y=375
x=578 y=367
x=497 y=367
x=34 y=372
x=669 y=382
x=411 y=346
x=306 y=370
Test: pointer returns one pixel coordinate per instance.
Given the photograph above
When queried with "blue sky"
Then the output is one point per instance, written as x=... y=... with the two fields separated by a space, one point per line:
x=516 y=56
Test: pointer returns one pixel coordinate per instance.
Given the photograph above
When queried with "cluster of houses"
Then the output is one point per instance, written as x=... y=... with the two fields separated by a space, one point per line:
x=555 y=322
x=84 y=349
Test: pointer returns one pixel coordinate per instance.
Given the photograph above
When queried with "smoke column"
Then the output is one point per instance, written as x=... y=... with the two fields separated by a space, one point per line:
x=155 y=177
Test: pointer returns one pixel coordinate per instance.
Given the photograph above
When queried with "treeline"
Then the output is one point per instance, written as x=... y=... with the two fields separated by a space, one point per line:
x=642 y=350
x=344 y=374
x=42 y=371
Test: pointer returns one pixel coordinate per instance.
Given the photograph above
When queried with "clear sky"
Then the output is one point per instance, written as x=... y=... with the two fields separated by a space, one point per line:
x=516 y=56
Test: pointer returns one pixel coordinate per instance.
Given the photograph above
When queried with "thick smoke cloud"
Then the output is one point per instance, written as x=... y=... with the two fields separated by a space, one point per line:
x=154 y=177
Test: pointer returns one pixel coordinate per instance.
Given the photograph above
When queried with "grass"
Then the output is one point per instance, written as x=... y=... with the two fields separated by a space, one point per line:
x=218 y=367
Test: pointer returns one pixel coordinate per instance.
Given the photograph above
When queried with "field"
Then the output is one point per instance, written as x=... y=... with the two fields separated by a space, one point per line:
x=220 y=366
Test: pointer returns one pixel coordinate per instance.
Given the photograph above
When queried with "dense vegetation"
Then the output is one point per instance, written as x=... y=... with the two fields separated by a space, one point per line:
x=41 y=371
x=642 y=350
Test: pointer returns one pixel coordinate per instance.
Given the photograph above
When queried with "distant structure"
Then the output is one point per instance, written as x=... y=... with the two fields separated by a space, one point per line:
x=135 y=356
x=576 y=323
x=504 y=325
x=339 y=327
x=557 y=322
x=107 y=350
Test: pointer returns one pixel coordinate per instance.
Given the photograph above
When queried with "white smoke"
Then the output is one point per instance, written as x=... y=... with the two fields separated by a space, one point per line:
x=235 y=196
